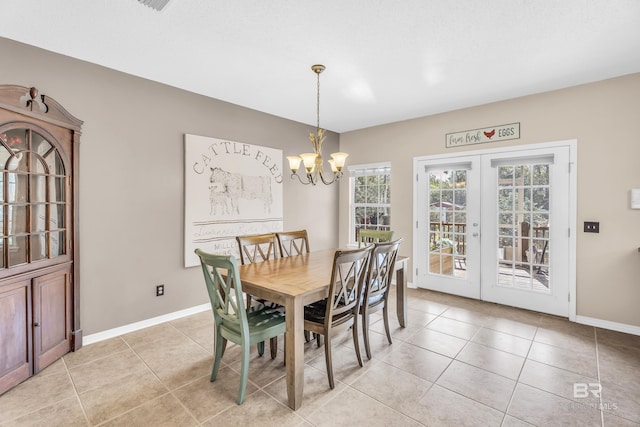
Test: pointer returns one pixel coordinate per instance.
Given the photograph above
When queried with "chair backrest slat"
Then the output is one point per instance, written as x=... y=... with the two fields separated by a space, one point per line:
x=293 y=242
x=225 y=289
x=347 y=281
x=257 y=247
x=381 y=267
x=374 y=236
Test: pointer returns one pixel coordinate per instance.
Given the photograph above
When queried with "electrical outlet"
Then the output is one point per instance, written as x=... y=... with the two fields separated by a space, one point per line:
x=159 y=290
x=591 y=227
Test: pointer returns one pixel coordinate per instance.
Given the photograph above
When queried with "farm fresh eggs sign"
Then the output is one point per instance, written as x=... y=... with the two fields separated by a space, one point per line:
x=231 y=189
x=481 y=136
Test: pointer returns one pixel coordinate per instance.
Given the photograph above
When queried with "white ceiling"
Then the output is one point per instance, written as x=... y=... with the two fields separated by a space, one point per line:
x=387 y=60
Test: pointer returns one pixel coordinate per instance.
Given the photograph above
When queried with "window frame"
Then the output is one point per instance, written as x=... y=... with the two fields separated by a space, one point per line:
x=370 y=169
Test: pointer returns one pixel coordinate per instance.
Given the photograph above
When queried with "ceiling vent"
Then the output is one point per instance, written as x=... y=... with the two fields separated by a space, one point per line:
x=155 y=4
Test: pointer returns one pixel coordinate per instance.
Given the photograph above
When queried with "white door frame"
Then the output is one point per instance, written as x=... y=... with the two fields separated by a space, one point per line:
x=572 y=144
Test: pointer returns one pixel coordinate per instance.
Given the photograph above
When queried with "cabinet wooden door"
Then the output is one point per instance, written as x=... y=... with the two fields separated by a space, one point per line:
x=15 y=333
x=52 y=313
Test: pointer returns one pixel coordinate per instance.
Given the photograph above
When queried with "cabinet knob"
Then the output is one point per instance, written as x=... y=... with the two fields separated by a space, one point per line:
x=36 y=323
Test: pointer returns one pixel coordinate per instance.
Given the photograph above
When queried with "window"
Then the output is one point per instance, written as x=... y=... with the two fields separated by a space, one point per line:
x=370 y=200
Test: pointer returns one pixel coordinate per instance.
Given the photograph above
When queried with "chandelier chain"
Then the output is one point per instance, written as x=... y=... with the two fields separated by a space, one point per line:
x=318 y=101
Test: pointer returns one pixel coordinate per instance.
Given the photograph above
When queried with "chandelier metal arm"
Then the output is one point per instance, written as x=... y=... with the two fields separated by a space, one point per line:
x=309 y=179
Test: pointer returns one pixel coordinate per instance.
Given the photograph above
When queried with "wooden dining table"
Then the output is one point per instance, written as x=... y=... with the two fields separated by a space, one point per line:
x=294 y=282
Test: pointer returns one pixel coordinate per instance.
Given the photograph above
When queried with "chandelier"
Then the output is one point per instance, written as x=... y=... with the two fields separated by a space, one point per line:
x=313 y=161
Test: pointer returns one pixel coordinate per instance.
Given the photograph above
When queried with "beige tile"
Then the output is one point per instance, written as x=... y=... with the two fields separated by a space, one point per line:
x=394 y=387
x=565 y=340
x=545 y=409
x=453 y=327
x=441 y=407
x=162 y=332
x=580 y=362
x=107 y=370
x=316 y=390
x=98 y=350
x=427 y=306
x=606 y=336
x=482 y=386
x=165 y=410
x=116 y=398
x=621 y=373
x=501 y=341
x=35 y=393
x=558 y=381
x=203 y=335
x=518 y=315
x=57 y=367
x=560 y=324
x=511 y=327
x=261 y=410
x=263 y=370
x=205 y=399
x=358 y=409
x=176 y=362
x=465 y=315
x=345 y=364
x=496 y=361
x=66 y=413
x=628 y=356
x=613 y=421
x=621 y=401
x=198 y=320
x=378 y=342
x=438 y=342
x=415 y=322
x=418 y=361
x=510 y=421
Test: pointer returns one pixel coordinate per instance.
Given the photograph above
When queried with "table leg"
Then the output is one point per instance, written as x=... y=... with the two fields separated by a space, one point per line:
x=294 y=351
x=401 y=294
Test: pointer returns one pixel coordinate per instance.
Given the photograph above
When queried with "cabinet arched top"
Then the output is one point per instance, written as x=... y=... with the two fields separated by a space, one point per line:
x=31 y=103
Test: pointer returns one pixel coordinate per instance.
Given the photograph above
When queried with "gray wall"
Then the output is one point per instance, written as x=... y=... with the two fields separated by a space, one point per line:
x=131 y=180
x=604 y=119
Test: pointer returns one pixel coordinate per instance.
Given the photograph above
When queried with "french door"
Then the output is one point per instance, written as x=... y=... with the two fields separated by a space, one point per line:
x=496 y=225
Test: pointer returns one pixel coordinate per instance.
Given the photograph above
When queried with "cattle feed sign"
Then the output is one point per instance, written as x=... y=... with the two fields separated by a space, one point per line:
x=231 y=189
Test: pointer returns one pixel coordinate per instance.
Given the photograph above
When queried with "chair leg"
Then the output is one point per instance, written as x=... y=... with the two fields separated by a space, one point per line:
x=220 y=343
x=356 y=343
x=327 y=357
x=224 y=346
x=365 y=332
x=244 y=371
x=260 y=348
x=319 y=340
x=307 y=336
x=385 y=315
x=273 y=344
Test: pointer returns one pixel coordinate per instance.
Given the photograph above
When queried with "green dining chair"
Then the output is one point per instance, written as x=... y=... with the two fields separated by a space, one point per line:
x=376 y=289
x=233 y=322
x=374 y=236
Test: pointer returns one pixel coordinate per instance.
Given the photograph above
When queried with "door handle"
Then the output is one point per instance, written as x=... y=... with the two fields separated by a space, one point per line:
x=475 y=234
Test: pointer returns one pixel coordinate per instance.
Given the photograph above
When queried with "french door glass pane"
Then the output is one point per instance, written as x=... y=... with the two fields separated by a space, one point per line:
x=523 y=227
x=447 y=214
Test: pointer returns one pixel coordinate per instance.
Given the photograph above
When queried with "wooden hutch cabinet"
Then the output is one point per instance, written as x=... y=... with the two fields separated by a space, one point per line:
x=39 y=287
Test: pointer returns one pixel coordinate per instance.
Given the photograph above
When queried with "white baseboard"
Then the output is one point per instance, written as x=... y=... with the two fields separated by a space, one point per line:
x=112 y=333
x=606 y=324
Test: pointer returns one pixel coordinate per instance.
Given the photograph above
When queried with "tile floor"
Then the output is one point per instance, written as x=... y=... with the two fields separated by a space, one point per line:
x=458 y=362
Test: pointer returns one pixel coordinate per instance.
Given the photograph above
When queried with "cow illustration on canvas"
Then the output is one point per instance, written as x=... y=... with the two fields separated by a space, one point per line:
x=226 y=189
